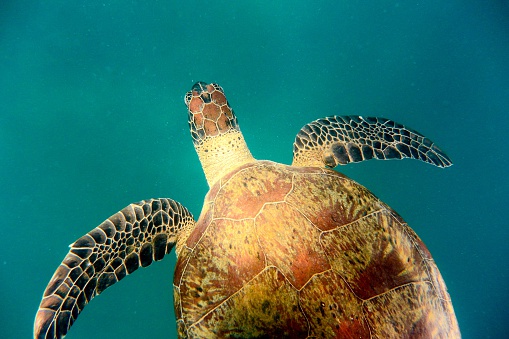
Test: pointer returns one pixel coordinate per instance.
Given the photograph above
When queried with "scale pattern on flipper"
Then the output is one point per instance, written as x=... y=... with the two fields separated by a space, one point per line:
x=338 y=140
x=136 y=236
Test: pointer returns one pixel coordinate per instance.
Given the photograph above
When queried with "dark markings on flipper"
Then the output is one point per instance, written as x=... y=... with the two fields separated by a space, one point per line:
x=136 y=236
x=336 y=140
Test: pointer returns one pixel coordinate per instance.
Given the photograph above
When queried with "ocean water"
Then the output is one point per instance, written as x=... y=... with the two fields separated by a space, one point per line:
x=92 y=118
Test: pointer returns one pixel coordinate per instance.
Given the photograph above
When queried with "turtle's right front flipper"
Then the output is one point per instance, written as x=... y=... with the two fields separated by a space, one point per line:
x=338 y=140
x=137 y=235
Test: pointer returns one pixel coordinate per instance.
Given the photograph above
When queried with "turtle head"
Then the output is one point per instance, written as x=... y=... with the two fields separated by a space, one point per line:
x=215 y=131
x=210 y=115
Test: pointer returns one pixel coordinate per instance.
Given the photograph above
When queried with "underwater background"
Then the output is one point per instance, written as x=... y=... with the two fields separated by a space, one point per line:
x=92 y=118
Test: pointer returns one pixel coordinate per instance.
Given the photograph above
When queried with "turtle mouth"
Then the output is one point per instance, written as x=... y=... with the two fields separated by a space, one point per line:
x=199 y=89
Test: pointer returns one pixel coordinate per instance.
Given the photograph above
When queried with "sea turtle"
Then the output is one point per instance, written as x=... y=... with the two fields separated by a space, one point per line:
x=280 y=251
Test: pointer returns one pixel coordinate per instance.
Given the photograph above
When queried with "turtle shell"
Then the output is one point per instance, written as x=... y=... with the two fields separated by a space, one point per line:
x=283 y=251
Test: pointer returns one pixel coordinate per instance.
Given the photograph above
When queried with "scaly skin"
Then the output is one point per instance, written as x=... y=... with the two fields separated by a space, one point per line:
x=339 y=140
x=134 y=237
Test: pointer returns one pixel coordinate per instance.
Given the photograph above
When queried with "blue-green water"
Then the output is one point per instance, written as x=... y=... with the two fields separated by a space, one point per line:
x=92 y=118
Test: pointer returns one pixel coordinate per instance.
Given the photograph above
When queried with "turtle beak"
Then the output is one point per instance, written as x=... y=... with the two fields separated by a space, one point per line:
x=199 y=87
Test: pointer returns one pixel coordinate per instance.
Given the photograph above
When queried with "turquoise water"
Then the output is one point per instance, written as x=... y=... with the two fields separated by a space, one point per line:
x=92 y=118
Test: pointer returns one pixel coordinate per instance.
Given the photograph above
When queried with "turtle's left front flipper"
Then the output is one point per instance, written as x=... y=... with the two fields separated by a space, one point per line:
x=137 y=235
x=336 y=140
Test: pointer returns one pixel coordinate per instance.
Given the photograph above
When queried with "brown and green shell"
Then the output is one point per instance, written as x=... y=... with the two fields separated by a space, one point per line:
x=293 y=252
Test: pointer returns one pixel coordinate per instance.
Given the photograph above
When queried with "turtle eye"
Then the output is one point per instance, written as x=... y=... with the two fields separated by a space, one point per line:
x=188 y=97
x=217 y=87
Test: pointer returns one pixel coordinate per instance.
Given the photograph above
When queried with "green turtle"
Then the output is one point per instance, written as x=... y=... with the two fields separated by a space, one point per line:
x=280 y=251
